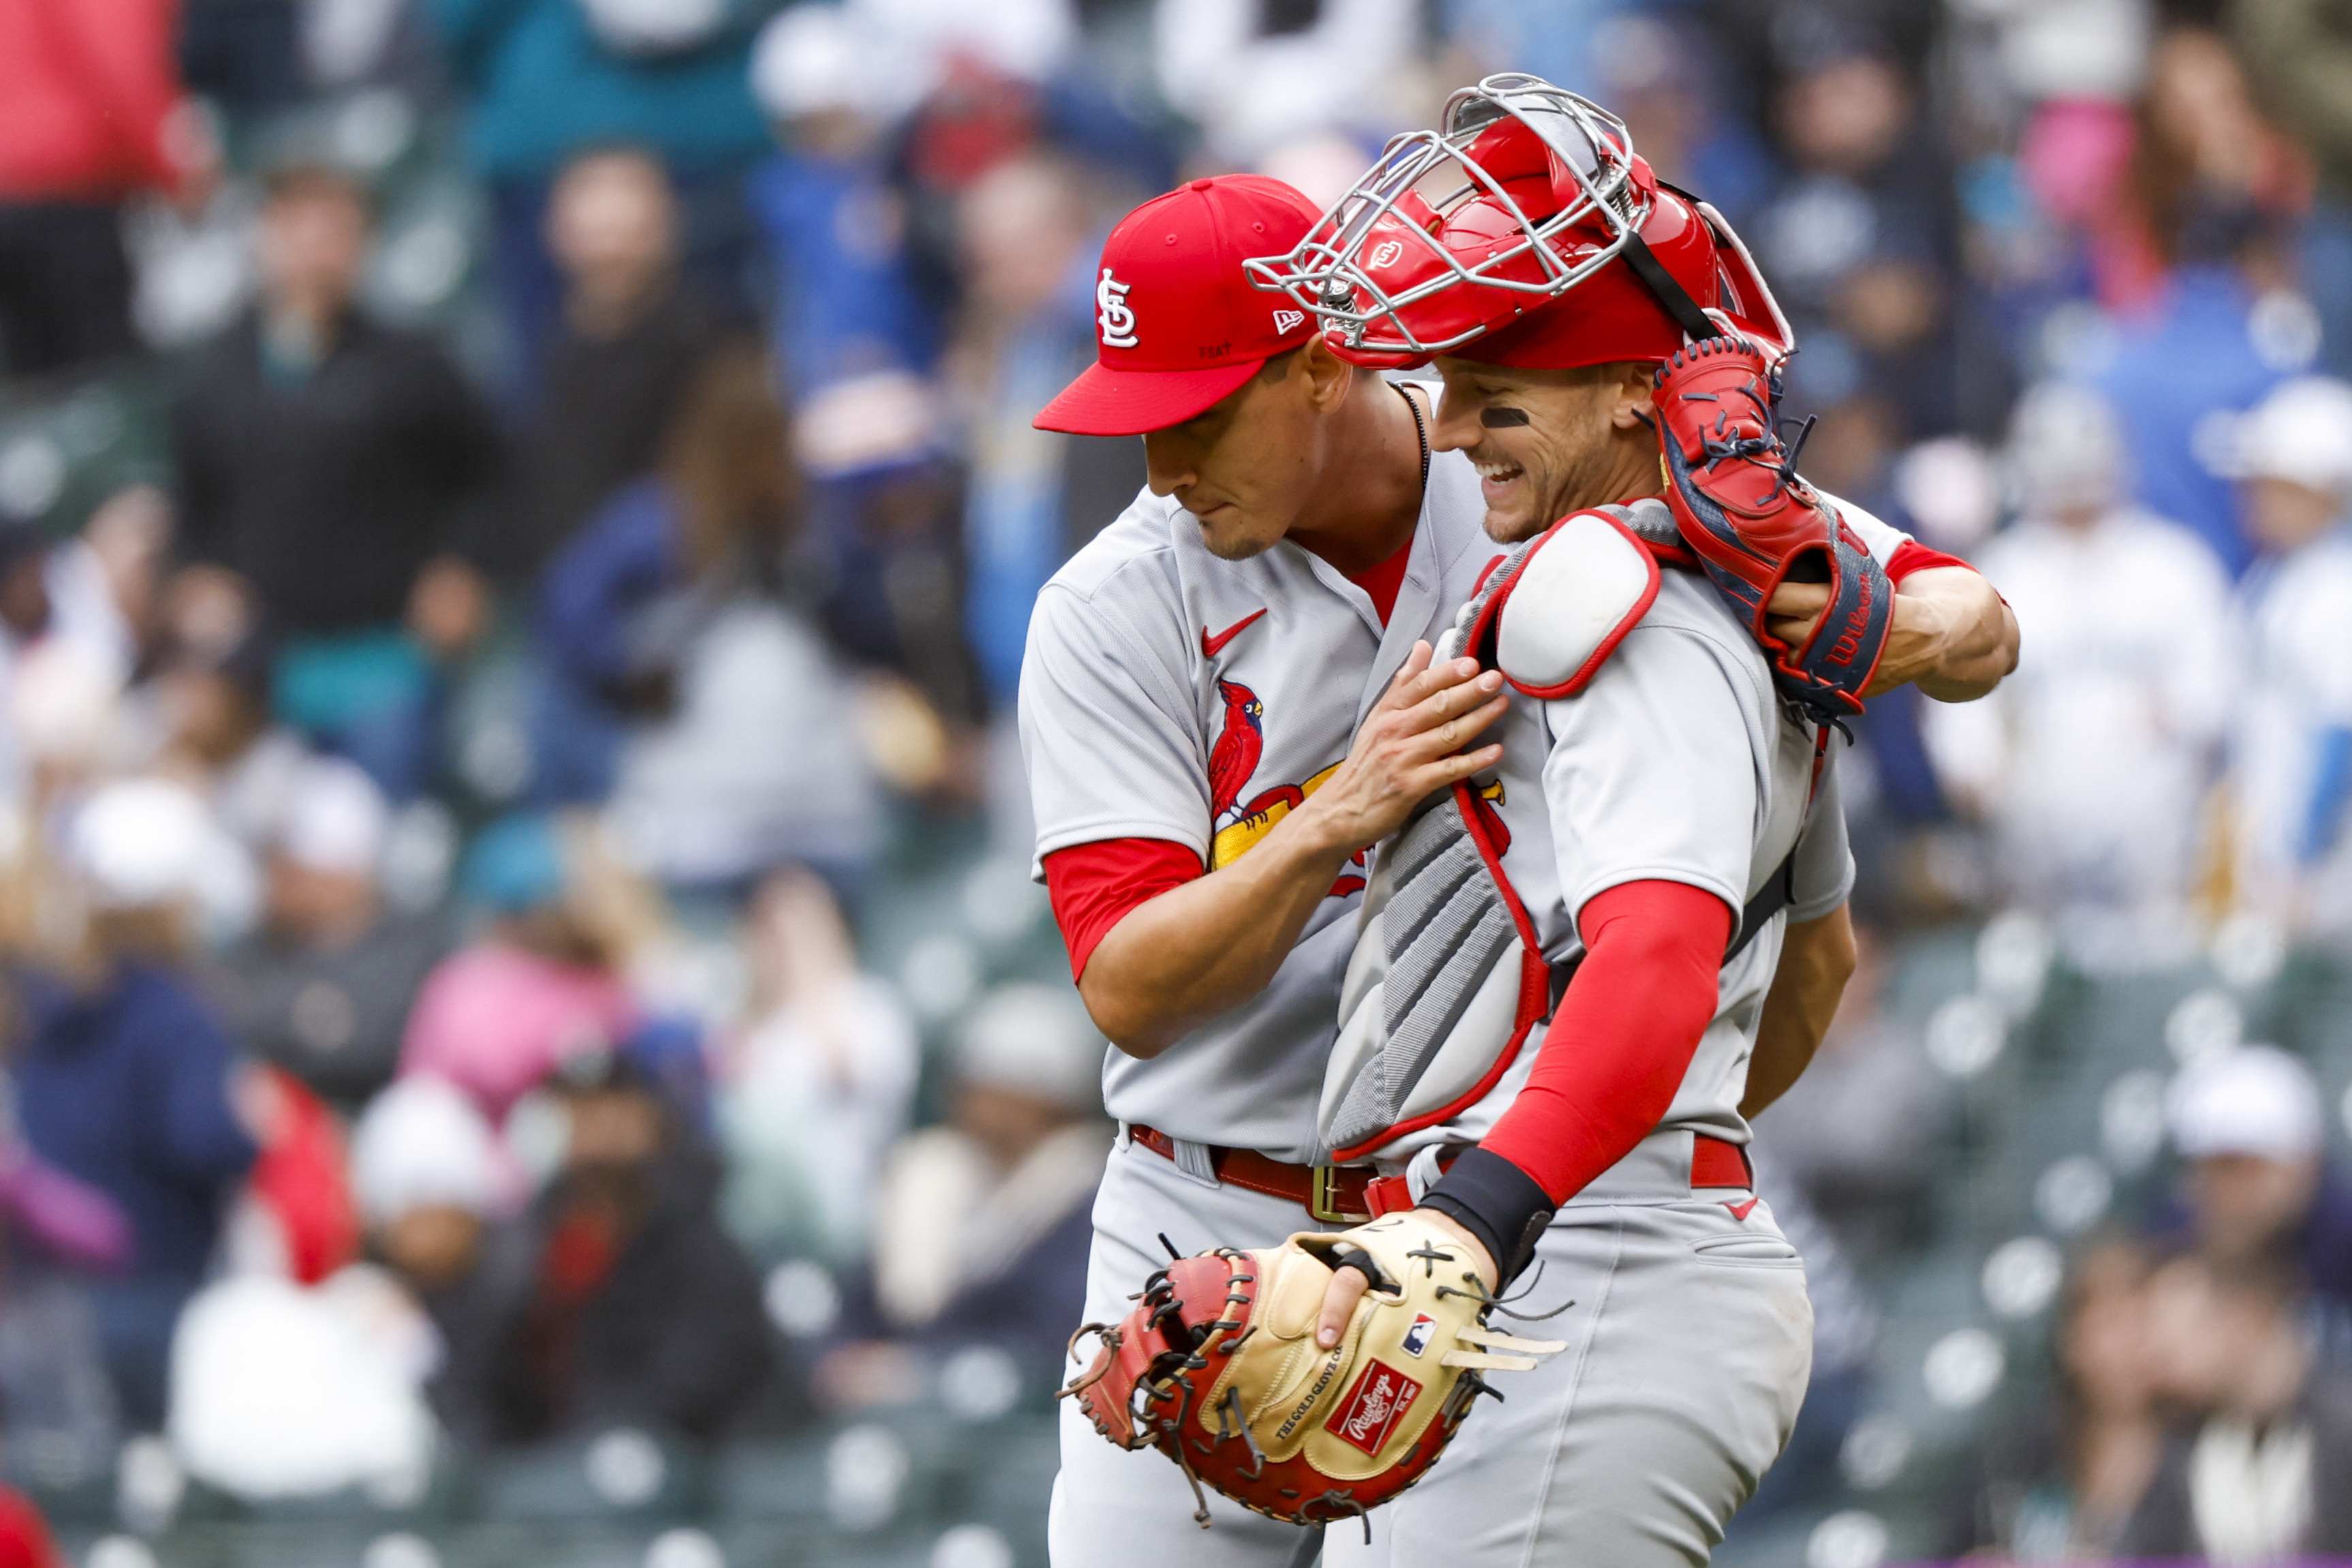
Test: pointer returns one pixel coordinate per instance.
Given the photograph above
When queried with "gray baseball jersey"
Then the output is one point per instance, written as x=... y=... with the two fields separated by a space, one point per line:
x=1169 y=694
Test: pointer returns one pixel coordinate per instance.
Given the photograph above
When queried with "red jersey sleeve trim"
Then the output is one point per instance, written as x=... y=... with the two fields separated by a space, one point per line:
x=1913 y=556
x=1095 y=886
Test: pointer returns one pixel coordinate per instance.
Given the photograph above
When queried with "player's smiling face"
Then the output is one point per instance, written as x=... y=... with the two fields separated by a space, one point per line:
x=1547 y=442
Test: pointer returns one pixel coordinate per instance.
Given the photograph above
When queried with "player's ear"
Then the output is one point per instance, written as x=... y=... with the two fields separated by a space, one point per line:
x=1325 y=376
x=1636 y=393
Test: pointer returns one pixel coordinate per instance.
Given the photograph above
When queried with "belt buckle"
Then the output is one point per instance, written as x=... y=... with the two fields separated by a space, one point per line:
x=1323 y=1197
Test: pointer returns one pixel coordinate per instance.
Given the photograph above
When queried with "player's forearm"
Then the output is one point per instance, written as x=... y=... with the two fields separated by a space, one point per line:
x=1952 y=637
x=1205 y=948
x=1817 y=959
x=1616 y=1049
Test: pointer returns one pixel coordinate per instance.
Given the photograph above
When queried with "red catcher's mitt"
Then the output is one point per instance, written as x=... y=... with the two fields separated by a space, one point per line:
x=1753 y=524
x=1217 y=1367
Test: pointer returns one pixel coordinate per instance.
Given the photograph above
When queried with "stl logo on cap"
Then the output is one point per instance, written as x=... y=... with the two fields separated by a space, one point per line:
x=1118 y=318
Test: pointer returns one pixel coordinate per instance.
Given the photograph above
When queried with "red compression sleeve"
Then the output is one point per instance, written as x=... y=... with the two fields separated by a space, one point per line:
x=1913 y=556
x=1095 y=886
x=1623 y=1034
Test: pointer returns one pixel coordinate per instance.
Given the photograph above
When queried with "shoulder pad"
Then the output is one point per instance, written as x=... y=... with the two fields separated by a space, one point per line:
x=1576 y=592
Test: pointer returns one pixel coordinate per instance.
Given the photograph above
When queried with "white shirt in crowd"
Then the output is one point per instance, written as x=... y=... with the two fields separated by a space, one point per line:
x=2091 y=764
x=2291 y=744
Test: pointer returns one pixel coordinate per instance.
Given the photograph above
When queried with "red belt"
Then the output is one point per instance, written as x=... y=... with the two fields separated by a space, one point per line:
x=1352 y=1194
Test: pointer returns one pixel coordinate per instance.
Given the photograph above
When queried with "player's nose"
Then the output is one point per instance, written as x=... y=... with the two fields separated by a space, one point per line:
x=1167 y=464
x=1456 y=428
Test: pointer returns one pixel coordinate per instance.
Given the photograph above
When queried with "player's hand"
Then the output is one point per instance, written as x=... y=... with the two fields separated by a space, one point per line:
x=1348 y=1285
x=1410 y=745
x=1916 y=635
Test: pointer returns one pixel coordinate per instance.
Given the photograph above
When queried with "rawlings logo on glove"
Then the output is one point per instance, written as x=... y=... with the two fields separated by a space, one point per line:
x=1753 y=524
x=1217 y=1367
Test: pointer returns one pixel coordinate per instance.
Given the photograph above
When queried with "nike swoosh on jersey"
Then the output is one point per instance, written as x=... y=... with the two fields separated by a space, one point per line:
x=1211 y=646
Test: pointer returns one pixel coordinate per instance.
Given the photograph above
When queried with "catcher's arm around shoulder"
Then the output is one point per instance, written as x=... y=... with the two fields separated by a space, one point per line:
x=1817 y=959
x=1176 y=961
x=1951 y=635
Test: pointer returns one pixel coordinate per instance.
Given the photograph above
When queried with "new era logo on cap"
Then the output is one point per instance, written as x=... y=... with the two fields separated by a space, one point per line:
x=1178 y=324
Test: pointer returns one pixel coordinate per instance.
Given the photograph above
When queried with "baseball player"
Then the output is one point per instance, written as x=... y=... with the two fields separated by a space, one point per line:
x=1227 y=697
x=1659 y=821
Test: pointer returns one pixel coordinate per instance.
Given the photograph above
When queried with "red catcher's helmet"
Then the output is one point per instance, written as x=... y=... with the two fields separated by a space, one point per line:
x=1548 y=244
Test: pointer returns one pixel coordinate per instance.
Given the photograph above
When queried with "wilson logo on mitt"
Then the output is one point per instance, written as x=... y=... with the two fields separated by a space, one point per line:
x=1753 y=524
x=1217 y=1368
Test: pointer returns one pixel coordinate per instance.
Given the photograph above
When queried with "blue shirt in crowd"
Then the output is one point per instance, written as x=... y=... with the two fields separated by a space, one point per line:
x=127 y=1087
x=544 y=87
x=2192 y=359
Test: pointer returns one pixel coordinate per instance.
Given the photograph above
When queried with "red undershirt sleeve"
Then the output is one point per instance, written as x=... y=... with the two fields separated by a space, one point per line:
x=1913 y=556
x=1612 y=1060
x=1095 y=886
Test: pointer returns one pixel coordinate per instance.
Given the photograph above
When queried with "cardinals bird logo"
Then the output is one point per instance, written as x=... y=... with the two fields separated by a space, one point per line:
x=1232 y=762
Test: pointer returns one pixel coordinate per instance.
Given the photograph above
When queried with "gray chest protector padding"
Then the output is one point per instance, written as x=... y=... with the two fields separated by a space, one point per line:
x=1448 y=978
x=1443 y=986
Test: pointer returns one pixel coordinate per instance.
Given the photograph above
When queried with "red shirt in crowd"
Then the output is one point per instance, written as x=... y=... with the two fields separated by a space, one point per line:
x=89 y=100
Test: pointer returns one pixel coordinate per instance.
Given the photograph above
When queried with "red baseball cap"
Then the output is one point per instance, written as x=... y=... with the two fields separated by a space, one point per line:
x=1177 y=324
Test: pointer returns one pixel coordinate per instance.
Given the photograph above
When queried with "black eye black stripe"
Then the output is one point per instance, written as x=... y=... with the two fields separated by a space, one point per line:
x=1498 y=418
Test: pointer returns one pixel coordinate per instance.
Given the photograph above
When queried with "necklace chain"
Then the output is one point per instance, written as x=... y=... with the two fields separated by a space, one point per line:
x=1420 y=429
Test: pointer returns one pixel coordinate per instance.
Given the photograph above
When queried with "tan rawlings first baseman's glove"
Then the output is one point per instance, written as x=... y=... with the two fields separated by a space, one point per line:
x=1218 y=1368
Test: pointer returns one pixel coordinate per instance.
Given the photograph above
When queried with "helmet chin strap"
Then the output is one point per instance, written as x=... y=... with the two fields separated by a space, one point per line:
x=1671 y=294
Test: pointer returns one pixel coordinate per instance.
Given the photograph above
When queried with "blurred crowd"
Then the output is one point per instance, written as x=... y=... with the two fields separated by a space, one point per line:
x=580 y=559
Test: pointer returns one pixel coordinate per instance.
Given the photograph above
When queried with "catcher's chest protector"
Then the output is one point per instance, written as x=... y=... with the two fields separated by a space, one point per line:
x=1448 y=977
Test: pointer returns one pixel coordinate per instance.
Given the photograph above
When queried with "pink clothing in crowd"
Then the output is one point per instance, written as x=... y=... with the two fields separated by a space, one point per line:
x=495 y=1020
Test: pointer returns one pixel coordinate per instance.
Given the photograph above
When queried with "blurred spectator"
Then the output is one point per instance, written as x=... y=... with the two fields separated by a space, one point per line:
x=59 y=620
x=2091 y=764
x=124 y=1077
x=2257 y=1193
x=856 y=333
x=1027 y=244
x=91 y=112
x=282 y=1391
x=631 y=337
x=539 y=985
x=845 y=308
x=2264 y=1474
x=982 y=1224
x=550 y=78
x=2295 y=50
x=619 y=1299
x=819 y=1084
x=333 y=463
x=1860 y=1136
x=2293 y=745
x=1254 y=77
x=207 y=710
x=2062 y=1484
x=2210 y=328
x=429 y=1175
x=323 y=990
x=682 y=657
x=1857 y=243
